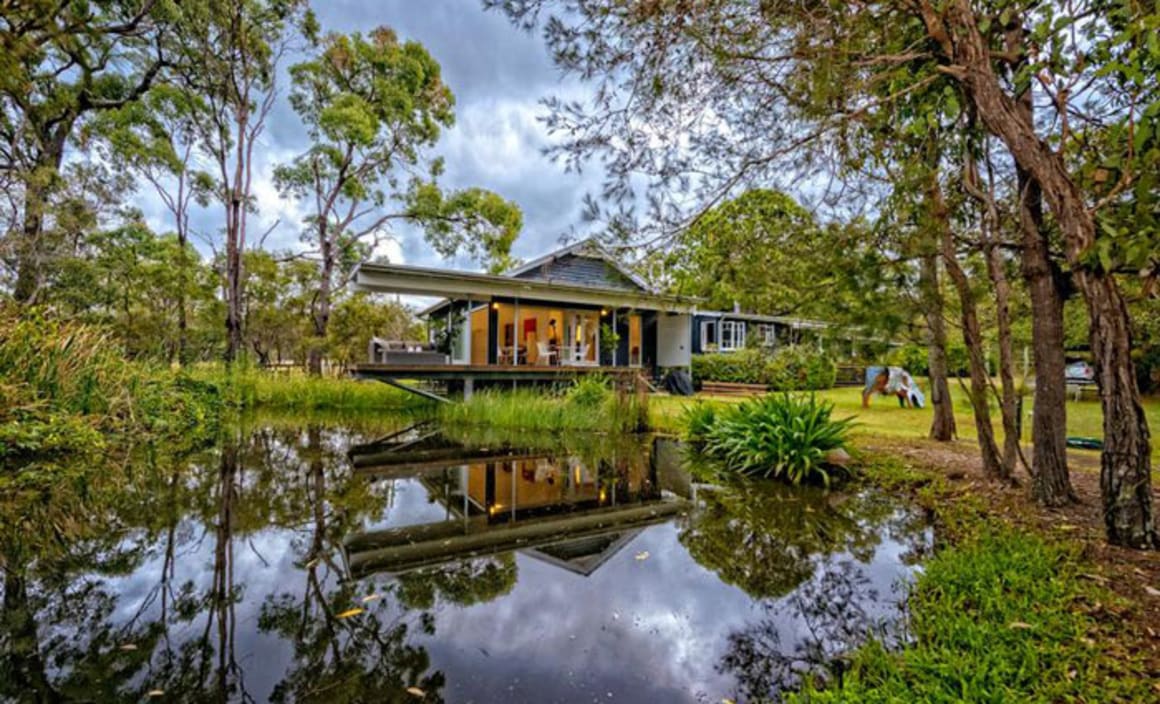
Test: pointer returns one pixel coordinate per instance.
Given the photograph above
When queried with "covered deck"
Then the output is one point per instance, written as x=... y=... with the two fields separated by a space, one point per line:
x=493 y=329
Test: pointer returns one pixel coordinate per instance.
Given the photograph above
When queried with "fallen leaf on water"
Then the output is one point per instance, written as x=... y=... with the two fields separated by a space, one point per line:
x=312 y=563
x=156 y=692
x=728 y=701
x=128 y=646
x=642 y=555
x=350 y=612
x=1019 y=624
x=371 y=597
x=415 y=691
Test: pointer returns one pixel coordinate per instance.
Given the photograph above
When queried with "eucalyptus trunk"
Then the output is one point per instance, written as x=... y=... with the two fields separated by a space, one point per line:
x=1050 y=482
x=322 y=305
x=997 y=273
x=37 y=194
x=1125 y=463
x=993 y=466
x=942 y=426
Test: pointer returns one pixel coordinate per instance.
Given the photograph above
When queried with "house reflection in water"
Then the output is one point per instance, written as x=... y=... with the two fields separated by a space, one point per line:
x=566 y=510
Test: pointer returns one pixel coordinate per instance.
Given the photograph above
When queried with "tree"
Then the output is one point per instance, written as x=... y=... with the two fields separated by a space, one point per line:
x=228 y=54
x=61 y=65
x=760 y=250
x=156 y=137
x=373 y=105
x=358 y=317
x=707 y=98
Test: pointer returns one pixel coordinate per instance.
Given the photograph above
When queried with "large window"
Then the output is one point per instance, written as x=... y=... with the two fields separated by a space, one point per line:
x=732 y=335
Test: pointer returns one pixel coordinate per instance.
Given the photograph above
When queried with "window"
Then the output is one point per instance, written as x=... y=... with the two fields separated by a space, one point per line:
x=767 y=334
x=732 y=335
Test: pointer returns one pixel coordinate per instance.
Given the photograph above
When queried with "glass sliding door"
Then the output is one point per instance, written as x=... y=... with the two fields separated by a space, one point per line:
x=581 y=338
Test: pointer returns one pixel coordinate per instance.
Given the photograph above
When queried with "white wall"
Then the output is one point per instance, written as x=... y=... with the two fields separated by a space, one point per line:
x=674 y=340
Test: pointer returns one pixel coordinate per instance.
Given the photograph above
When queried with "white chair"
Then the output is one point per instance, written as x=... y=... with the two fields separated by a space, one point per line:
x=544 y=354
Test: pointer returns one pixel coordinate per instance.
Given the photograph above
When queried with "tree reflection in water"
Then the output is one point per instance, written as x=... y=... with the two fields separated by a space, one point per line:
x=221 y=576
x=65 y=633
x=803 y=555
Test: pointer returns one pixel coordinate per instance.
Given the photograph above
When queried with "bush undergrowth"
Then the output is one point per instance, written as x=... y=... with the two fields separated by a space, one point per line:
x=67 y=387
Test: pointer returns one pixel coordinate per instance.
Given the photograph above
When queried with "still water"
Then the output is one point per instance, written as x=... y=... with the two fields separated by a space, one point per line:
x=347 y=561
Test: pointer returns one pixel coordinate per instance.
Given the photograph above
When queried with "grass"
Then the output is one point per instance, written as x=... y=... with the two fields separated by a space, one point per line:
x=1003 y=616
x=67 y=388
x=885 y=419
x=252 y=388
x=588 y=405
x=998 y=614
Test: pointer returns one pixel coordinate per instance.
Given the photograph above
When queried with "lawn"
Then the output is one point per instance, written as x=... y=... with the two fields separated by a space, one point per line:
x=885 y=419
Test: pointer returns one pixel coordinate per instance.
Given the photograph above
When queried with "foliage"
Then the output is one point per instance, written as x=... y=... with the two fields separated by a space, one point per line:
x=779 y=436
x=915 y=359
x=1003 y=616
x=760 y=250
x=130 y=280
x=589 y=391
x=789 y=368
x=697 y=420
x=358 y=317
x=63 y=382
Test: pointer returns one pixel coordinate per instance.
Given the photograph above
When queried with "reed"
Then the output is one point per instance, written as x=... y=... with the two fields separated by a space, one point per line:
x=253 y=388
x=66 y=386
x=588 y=405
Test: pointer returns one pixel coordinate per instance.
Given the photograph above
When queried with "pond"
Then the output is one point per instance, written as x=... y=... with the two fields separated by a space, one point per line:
x=356 y=560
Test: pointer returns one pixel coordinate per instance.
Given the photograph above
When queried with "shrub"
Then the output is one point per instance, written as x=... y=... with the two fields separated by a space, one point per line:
x=590 y=391
x=791 y=368
x=782 y=436
x=697 y=419
x=65 y=383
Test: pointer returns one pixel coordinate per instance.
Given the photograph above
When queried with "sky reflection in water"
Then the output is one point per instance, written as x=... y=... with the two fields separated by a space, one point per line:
x=237 y=574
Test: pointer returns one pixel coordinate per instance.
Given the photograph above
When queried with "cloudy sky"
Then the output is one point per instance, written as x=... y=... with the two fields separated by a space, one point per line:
x=498 y=74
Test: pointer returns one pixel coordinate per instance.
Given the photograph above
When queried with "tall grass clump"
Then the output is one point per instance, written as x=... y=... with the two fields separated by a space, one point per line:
x=589 y=405
x=777 y=436
x=249 y=387
x=1002 y=617
x=65 y=385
